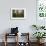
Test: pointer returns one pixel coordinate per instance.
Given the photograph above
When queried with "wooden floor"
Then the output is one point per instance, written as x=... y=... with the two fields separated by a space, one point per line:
x=13 y=44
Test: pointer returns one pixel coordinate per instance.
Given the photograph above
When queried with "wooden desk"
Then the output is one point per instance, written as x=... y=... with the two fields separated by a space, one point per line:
x=17 y=43
x=8 y=34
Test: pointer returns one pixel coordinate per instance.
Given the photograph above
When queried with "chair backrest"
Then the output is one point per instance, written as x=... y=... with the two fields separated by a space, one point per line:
x=14 y=30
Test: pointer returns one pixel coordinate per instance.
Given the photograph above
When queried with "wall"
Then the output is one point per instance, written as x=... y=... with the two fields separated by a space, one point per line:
x=24 y=25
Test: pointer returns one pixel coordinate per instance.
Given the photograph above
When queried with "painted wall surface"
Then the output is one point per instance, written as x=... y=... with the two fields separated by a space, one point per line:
x=24 y=25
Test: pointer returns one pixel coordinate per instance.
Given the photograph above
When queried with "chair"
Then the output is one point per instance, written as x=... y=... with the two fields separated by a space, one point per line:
x=25 y=36
x=7 y=35
x=14 y=32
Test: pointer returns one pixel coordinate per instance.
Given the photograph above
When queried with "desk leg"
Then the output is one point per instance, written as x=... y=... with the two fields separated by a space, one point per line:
x=5 y=40
x=5 y=43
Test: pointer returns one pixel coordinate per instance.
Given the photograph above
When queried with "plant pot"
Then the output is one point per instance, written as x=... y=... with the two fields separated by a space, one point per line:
x=40 y=41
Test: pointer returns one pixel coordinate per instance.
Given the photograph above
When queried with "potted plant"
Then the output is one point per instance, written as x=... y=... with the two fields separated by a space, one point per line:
x=39 y=35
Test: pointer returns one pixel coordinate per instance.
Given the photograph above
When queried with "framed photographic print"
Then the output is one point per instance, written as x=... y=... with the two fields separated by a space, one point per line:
x=41 y=9
x=18 y=13
x=41 y=12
